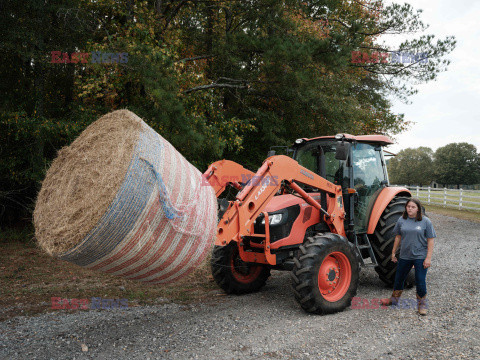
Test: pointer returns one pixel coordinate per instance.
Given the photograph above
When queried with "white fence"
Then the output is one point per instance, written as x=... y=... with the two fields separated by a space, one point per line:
x=457 y=198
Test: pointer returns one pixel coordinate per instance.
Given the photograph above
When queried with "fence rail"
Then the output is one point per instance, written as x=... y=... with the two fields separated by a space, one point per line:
x=457 y=198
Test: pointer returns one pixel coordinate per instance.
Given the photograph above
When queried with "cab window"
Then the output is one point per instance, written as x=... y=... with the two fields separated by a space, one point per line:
x=307 y=156
x=368 y=175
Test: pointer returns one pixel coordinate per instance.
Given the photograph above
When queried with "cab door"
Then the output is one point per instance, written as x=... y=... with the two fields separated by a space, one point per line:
x=369 y=178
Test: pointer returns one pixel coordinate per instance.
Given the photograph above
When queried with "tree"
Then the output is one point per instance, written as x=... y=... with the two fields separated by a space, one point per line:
x=216 y=78
x=284 y=69
x=457 y=163
x=36 y=96
x=412 y=166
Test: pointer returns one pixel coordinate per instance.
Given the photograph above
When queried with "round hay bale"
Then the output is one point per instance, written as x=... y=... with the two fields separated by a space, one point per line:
x=120 y=199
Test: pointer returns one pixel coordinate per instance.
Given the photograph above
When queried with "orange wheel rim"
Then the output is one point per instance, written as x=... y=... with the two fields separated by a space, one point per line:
x=242 y=271
x=334 y=276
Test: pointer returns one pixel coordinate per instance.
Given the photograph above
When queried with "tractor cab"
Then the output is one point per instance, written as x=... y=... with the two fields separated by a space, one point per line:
x=354 y=162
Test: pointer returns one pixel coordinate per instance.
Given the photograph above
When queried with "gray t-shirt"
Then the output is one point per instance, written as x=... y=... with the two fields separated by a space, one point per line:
x=414 y=234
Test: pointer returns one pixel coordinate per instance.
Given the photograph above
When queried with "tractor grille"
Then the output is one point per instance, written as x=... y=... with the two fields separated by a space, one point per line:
x=281 y=230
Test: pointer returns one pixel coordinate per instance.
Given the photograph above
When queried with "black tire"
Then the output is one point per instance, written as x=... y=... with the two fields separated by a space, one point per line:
x=235 y=276
x=305 y=274
x=382 y=242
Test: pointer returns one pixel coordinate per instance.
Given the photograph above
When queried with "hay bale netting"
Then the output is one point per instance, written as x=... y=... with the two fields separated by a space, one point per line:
x=120 y=199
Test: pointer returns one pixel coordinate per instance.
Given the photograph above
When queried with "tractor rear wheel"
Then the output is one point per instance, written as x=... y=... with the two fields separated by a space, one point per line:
x=325 y=274
x=235 y=276
x=382 y=242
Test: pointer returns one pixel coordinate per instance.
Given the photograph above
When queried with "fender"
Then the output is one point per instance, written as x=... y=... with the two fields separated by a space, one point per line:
x=381 y=202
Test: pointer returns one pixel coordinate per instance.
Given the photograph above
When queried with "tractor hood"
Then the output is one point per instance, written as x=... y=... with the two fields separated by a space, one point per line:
x=283 y=201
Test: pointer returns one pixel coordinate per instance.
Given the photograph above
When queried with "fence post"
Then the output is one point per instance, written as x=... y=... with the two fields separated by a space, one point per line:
x=418 y=192
x=445 y=197
x=460 y=202
x=429 y=195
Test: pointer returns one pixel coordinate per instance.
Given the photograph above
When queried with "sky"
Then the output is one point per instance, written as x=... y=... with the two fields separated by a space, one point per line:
x=448 y=109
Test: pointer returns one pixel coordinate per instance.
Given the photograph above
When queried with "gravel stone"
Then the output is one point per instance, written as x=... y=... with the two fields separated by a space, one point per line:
x=271 y=325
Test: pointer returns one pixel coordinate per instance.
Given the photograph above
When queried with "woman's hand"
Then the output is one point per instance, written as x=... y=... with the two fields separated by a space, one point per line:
x=394 y=258
x=427 y=263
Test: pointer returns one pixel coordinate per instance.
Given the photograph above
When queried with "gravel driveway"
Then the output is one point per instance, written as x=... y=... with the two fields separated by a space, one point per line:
x=270 y=324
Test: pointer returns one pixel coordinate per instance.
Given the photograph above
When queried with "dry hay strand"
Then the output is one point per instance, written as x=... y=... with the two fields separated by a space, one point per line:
x=83 y=180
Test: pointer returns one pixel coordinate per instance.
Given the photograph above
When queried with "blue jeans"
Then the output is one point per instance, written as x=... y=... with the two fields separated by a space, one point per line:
x=403 y=267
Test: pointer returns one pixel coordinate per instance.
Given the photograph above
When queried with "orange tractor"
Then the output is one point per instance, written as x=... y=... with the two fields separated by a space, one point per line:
x=322 y=214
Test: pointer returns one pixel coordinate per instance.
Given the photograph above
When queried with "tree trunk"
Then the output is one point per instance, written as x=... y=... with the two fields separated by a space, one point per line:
x=209 y=44
x=39 y=112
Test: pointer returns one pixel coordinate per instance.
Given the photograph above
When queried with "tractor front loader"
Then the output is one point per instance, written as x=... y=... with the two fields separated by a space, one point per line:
x=314 y=214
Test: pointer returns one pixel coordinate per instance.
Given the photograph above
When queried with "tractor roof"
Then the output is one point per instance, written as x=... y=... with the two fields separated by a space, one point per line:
x=379 y=139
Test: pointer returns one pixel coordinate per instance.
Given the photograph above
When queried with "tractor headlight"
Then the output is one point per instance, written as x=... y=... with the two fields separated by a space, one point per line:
x=273 y=219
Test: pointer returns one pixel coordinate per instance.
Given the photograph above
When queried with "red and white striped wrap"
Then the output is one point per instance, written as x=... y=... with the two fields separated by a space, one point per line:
x=162 y=222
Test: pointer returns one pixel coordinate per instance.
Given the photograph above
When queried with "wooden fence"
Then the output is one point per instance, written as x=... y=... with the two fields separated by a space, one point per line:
x=458 y=198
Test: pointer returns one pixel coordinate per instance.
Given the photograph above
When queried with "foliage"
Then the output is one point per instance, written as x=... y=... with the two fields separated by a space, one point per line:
x=37 y=110
x=218 y=79
x=457 y=163
x=412 y=166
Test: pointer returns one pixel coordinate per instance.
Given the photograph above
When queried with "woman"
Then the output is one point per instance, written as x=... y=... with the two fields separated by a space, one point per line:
x=415 y=234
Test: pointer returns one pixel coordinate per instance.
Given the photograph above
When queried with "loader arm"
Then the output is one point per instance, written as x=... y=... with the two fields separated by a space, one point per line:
x=222 y=173
x=251 y=201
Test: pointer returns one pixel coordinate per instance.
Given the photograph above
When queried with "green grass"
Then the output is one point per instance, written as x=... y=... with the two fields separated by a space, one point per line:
x=460 y=214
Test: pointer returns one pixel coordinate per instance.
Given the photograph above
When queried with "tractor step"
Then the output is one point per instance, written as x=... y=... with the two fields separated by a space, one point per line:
x=362 y=242
x=370 y=264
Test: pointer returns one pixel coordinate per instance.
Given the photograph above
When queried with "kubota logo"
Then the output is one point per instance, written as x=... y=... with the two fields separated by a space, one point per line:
x=262 y=189
x=307 y=174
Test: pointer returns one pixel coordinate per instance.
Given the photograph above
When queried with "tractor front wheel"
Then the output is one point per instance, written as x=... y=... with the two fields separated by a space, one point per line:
x=325 y=274
x=234 y=275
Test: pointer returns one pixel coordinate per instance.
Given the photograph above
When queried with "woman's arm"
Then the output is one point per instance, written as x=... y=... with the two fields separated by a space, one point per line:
x=396 y=243
x=428 y=260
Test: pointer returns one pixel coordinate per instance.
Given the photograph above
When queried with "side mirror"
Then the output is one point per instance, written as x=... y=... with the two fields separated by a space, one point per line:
x=342 y=150
x=271 y=153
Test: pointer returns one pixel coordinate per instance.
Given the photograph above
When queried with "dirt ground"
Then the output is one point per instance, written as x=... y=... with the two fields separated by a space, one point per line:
x=268 y=324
